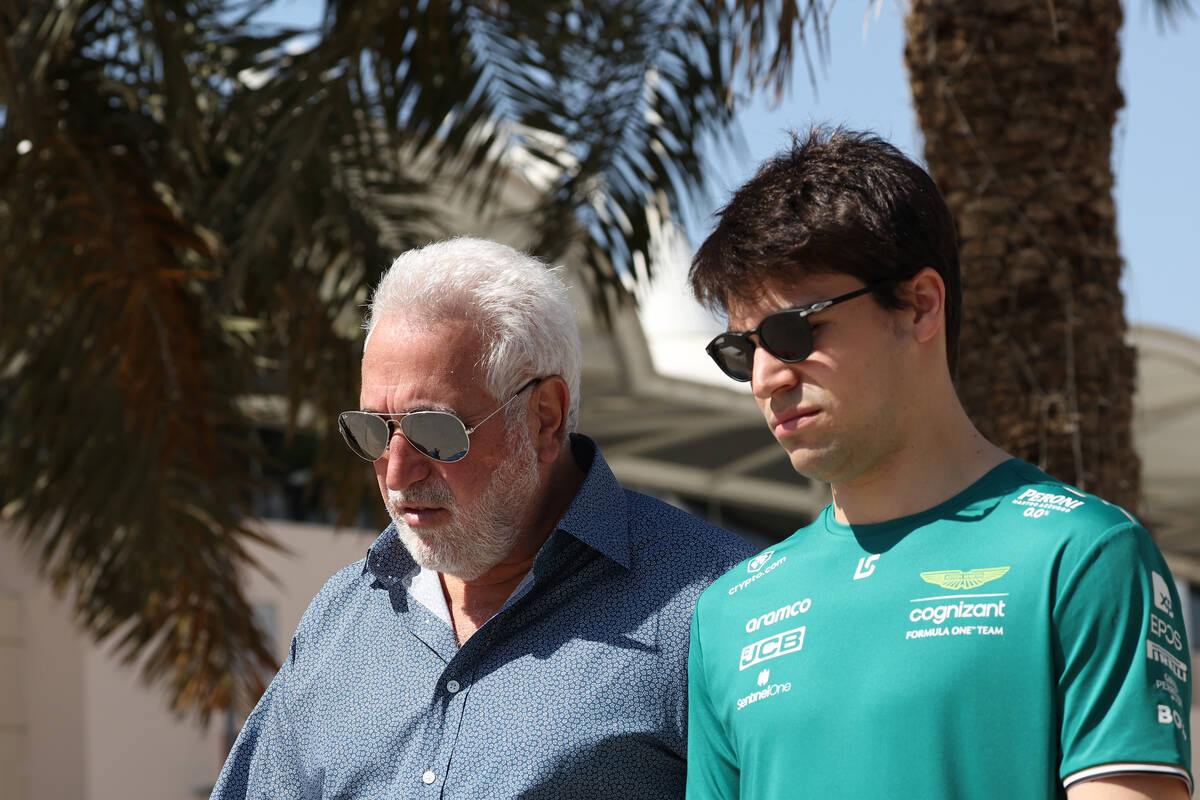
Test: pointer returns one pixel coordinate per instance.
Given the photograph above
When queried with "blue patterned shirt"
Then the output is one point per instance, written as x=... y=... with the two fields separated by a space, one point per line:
x=576 y=688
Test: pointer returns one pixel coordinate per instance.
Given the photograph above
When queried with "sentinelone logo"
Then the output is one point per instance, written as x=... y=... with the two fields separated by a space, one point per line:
x=762 y=694
x=772 y=689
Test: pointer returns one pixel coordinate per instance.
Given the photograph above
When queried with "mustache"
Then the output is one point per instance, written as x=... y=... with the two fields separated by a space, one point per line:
x=434 y=494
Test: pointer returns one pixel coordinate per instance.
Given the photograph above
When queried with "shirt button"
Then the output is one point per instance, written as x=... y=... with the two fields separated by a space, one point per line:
x=428 y=777
x=452 y=686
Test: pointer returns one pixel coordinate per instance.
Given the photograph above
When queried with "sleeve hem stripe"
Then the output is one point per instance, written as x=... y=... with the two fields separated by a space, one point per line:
x=1131 y=768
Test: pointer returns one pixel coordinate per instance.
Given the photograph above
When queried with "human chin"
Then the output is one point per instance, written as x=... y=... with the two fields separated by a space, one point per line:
x=817 y=462
x=477 y=536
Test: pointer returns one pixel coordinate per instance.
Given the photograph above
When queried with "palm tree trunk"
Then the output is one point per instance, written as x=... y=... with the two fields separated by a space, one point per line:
x=1017 y=100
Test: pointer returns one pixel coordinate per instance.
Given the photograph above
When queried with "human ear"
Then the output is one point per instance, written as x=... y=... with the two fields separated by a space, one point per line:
x=926 y=296
x=551 y=402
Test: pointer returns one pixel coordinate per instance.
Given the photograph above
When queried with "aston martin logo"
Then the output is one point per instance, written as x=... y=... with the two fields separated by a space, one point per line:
x=957 y=579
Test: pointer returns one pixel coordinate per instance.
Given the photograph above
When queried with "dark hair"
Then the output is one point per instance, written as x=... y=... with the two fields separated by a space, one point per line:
x=838 y=202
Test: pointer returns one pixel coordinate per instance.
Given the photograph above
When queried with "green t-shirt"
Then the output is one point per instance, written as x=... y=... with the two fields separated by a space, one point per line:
x=1017 y=638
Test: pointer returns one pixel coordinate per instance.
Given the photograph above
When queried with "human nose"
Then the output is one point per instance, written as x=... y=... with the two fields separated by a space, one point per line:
x=770 y=376
x=402 y=464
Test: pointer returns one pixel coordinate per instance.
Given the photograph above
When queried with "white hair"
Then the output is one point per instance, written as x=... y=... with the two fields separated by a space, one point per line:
x=518 y=304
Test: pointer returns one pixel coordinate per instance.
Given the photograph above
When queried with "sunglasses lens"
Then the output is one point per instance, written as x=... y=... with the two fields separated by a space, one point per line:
x=366 y=434
x=734 y=354
x=437 y=434
x=787 y=336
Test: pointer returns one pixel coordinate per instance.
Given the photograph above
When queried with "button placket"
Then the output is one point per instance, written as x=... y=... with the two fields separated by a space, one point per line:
x=455 y=690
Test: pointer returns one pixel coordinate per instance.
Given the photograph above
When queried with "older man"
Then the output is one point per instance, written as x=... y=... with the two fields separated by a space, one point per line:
x=521 y=629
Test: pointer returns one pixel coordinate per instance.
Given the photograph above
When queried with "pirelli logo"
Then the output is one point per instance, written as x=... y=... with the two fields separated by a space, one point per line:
x=1160 y=654
x=772 y=647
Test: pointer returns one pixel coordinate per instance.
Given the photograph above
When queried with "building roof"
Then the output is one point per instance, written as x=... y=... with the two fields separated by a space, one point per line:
x=675 y=427
x=1166 y=431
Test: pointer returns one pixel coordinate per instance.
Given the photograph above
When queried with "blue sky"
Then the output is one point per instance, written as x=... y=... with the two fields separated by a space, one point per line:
x=1156 y=159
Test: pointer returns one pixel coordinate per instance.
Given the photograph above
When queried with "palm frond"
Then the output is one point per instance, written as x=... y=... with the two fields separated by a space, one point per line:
x=123 y=461
x=618 y=99
x=192 y=208
x=1170 y=13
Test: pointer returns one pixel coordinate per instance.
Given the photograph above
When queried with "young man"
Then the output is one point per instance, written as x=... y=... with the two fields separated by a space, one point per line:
x=957 y=624
x=521 y=629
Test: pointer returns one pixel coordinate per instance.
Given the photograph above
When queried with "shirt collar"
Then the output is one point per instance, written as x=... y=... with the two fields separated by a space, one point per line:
x=388 y=561
x=598 y=517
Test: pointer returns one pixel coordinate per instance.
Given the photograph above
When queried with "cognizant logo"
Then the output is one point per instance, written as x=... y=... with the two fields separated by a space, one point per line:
x=737 y=587
x=962 y=609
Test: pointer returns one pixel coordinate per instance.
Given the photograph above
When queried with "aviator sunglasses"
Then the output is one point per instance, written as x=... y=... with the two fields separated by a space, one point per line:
x=440 y=435
x=785 y=334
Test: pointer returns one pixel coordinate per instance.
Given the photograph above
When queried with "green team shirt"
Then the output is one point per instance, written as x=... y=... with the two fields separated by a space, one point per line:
x=1005 y=644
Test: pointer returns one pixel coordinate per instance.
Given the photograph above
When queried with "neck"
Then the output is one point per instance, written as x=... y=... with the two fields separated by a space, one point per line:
x=942 y=455
x=473 y=602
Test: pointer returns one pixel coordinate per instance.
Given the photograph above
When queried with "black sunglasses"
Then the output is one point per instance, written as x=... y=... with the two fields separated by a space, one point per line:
x=785 y=334
x=440 y=435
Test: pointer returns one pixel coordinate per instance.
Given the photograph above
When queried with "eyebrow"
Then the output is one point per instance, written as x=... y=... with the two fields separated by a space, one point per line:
x=444 y=408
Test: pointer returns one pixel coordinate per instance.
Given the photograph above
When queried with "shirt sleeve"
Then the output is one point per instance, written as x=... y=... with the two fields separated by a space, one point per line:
x=712 y=769
x=264 y=763
x=1124 y=676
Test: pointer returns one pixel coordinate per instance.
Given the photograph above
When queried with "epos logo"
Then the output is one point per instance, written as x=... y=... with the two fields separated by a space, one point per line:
x=1162 y=629
x=759 y=561
x=772 y=647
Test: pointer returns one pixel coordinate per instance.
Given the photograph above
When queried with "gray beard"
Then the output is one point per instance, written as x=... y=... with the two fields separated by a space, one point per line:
x=480 y=535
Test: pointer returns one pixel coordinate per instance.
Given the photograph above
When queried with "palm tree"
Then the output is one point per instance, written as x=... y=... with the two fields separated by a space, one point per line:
x=191 y=210
x=1017 y=102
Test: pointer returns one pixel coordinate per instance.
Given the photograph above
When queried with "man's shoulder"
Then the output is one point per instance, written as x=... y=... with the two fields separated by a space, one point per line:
x=342 y=590
x=751 y=570
x=346 y=580
x=1038 y=501
x=657 y=523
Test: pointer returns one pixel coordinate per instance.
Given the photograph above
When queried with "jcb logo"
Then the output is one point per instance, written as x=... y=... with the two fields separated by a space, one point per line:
x=772 y=647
